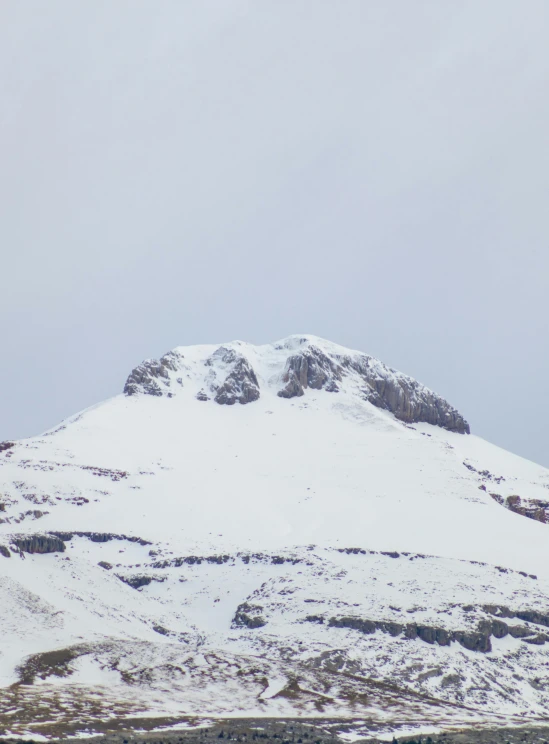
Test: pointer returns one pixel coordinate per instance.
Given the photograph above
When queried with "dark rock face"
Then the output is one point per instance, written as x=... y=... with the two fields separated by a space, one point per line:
x=39 y=544
x=499 y=629
x=536 y=509
x=192 y=560
x=152 y=376
x=6 y=446
x=136 y=582
x=247 y=558
x=404 y=397
x=531 y=508
x=430 y=635
x=240 y=385
x=101 y=537
x=383 y=387
x=355 y=623
x=473 y=640
x=310 y=368
x=537 y=640
x=529 y=616
x=4 y=551
x=245 y=619
x=314 y=619
x=533 y=616
x=105 y=564
x=520 y=631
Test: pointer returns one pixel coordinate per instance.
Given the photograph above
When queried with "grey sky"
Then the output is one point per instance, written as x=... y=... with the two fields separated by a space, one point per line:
x=371 y=171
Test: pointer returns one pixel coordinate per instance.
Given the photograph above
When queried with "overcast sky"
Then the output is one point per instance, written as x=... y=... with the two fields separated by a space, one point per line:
x=375 y=172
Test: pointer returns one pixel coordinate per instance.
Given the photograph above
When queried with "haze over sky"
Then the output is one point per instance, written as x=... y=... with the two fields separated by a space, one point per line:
x=371 y=171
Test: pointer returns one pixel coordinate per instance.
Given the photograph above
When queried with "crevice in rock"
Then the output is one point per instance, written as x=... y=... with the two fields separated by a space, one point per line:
x=310 y=368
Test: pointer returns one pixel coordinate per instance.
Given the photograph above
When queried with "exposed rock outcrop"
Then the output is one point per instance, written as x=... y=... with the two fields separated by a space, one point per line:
x=403 y=396
x=247 y=616
x=536 y=509
x=152 y=377
x=531 y=508
x=101 y=537
x=161 y=630
x=385 y=388
x=529 y=616
x=39 y=544
x=247 y=558
x=192 y=560
x=311 y=368
x=308 y=363
x=240 y=385
x=473 y=640
x=136 y=582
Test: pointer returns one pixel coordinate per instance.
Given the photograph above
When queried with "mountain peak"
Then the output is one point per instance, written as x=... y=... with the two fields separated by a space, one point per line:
x=239 y=372
x=168 y=547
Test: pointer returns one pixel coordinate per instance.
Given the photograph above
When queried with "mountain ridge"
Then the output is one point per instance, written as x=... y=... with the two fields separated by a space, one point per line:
x=299 y=362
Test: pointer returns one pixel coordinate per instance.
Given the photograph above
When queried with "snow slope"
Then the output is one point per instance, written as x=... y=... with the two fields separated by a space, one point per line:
x=281 y=533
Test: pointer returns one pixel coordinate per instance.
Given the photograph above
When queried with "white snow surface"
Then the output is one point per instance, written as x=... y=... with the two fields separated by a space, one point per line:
x=274 y=492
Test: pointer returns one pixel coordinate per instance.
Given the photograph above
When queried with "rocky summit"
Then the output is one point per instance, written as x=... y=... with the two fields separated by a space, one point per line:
x=287 y=531
x=294 y=365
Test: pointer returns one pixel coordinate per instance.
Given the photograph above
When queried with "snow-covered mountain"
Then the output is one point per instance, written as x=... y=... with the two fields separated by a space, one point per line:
x=292 y=529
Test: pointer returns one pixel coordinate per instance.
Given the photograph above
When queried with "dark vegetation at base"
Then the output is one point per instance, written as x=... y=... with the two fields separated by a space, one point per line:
x=51 y=663
x=261 y=731
x=292 y=731
x=482 y=736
